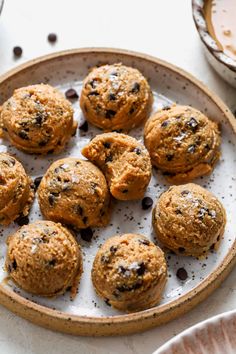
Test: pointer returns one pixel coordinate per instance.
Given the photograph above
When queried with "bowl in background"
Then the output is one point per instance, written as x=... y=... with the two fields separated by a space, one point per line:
x=222 y=63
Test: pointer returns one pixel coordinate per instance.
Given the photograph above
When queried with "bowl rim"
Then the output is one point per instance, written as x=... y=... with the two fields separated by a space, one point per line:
x=207 y=39
x=122 y=324
x=195 y=328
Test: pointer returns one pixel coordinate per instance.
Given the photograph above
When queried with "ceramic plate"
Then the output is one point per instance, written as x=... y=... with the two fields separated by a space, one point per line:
x=215 y=335
x=87 y=314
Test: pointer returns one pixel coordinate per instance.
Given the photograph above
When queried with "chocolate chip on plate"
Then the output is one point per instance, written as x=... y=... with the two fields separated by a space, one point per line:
x=52 y=37
x=17 y=51
x=37 y=181
x=147 y=203
x=84 y=126
x=86 y=234
x=182 y=274
x=22 y=220
x=71 y=94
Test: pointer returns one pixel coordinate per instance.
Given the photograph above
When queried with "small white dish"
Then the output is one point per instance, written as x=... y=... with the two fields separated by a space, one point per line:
x=213 y=336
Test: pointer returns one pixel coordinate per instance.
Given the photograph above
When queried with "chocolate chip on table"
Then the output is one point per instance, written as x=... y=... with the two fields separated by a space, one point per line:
x=110 y=114
x=135 y=88
x=84 y=126
x=71 y=94
x=86 y=234
x=17 y=51
x=52 y=37
x=22 y=220
x=137 y=150
x=182 y=274
x=37 y=181
x=147 y=203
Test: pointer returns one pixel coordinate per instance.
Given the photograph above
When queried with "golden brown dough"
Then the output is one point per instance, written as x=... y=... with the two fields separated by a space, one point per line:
x=182 y=142
x=124 y=161
x=189 y=220
x=16 y=190
x=37 y=119
x=44 y=258
x=116 y=97
x=75 y=192
x=129 y=272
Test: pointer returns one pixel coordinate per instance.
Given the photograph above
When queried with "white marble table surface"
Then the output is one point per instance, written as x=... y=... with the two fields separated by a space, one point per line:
x=163 y=28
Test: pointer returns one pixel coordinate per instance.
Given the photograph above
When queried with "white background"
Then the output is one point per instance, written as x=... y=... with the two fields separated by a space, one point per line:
x=163 y=28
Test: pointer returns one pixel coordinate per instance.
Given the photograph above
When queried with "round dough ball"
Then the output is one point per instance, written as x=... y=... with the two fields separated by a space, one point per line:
x=116 y=97
x=44 y=258
x=189 y=220
x=129 y=272
x=182 y=142
x=16 y=190
x=124 y=161
x=75 y=192
x=37 y=119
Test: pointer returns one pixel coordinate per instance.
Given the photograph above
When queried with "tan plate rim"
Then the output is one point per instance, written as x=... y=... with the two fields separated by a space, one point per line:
x=128 y=323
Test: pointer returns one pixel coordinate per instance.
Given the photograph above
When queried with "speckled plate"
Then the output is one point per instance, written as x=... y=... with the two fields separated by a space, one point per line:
x=87 y=314
x=215 y=335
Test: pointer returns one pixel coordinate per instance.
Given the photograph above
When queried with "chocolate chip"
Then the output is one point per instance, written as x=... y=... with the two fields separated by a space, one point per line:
x=93 y=83
x=125 y=191
x=124 y=288
x=86 y=234
x=108 y=158
x=39 y=119
x=52 y=263
x=17 y=51
x=182 y=274
x=84 y=126
x=85 y=219
x=112 y=97
x=122 y=269
x=43 y=143
x=110 y=114
x=141 y=268
x=144 y=242
x=147 y=203
x=178 y=212
x=107 y=145
x=14 y=264
x=113 y=249
x=71 y=94
x=51 y=199
x=23 y=135
x=79 y=210
x=164 y=124
x=93 y=93
x=22 y=220
x=137 y=150
x=181 y=249
x=52 y=37
x=50 y=152
x=202 y=212
x=193 y=124
x=191 y=149
x=37 y=181
x=207 y=147
x=169 y=157
x=135 y=88
x=105 y=259
x=184 y=193
x=131 y=111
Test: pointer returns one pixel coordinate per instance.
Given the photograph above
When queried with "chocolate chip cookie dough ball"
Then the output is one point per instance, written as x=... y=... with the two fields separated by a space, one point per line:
x=189 y=220
x=75 y=192
x=116 y=97
x=43 y=258
x=16 y=190
x=37 y=119
x=129 y=272
x=182 y=142
x=124 y=161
